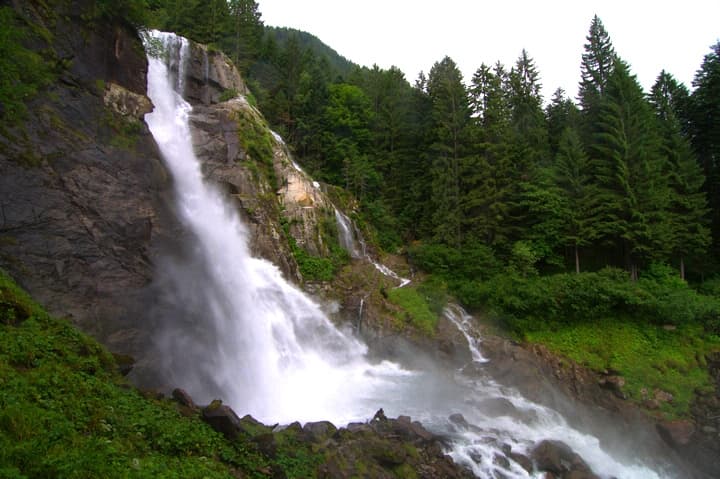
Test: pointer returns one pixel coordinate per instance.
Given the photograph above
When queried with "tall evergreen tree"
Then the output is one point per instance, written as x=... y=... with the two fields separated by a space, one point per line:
x=688 y=207
x=450 y=116
x=247 y=33
x=630 y=169
x=597 y=65
x=573 y=176
x=560 y=113
x=489 y=180
x=705 y=130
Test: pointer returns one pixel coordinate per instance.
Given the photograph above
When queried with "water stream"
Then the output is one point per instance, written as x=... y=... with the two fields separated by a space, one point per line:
x=270 y=351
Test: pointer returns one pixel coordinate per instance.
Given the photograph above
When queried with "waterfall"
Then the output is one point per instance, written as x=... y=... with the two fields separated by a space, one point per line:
x=350 y=238
x=245 y=333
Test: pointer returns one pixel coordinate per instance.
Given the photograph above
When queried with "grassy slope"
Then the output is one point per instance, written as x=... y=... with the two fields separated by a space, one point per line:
x=66 y=413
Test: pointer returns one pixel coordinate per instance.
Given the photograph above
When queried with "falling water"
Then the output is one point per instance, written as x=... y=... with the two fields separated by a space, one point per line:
x=271 y=352
x=352 y=241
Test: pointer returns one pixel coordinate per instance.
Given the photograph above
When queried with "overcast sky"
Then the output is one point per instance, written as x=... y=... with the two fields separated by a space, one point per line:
x=414 y=34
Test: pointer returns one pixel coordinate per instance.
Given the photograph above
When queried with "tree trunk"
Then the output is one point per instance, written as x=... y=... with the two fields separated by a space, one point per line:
x=577 y=260
x=682 y=268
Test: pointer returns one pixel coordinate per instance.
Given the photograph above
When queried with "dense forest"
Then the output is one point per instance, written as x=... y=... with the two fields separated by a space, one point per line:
x=491 y=170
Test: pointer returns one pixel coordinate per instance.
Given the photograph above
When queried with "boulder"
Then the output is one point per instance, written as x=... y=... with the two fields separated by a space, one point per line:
x=318 y=431
x=222 y=418
x=676 y=433
x=558 y=458
x=182 y=397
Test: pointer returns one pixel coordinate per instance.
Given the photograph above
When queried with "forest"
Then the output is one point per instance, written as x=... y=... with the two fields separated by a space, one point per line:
x=491 y=170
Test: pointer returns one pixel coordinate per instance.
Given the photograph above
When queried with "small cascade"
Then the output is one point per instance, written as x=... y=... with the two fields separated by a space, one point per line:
x=346 y=235
x=360 y=313
x=352 y=241
x=460 y=318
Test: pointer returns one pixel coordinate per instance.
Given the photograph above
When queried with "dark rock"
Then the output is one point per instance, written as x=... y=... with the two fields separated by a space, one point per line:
x=266 y=444
x=558 y=458
x=676 y=433
x=522 y=460
x=318 y=431
x=358 y=427
x=124 y=362
x=459 y=420
x=613 y=383
x=181 y=396
x=222 y=418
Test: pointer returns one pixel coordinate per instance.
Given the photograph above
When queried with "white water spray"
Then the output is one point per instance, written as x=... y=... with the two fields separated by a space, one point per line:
x=272 y=352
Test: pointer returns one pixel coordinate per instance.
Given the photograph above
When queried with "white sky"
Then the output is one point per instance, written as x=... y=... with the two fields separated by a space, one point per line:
x=414 y=34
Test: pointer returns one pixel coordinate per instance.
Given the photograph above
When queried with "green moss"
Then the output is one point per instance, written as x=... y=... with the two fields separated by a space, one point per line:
x=317 y=268
x=228 y=94
x=416 y=309
x=649 y=357
x=66 y=413
x=23 y=72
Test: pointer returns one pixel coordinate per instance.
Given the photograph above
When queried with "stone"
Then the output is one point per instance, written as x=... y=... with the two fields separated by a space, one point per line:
x=558 y=458
x=676 y=433
x=222 y=418
x=459 y=420
x=182 y=397
x=613 y=383
x=318 y=431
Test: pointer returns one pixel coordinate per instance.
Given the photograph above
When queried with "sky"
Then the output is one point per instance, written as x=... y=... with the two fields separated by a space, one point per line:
x=414 y=34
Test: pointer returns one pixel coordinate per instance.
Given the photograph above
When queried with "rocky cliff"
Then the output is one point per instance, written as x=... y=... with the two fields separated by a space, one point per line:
x=82 y=185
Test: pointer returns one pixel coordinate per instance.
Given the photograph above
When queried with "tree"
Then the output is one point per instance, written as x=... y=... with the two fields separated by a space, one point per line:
x=561 y=113
x=705 y=131
x=490 y=181
x=450 y=117
x=688 y=206
x=573 y=177
x=633 y=191
x=596 y=67
x=247 y=33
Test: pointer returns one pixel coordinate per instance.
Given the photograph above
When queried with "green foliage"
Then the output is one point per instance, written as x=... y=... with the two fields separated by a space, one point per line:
x=649 y=357
x=417 y=312
x=539 y=303
x=317 y=268
x=23 y=72
x=255 y=138
x=228 y=94
x=66 y=413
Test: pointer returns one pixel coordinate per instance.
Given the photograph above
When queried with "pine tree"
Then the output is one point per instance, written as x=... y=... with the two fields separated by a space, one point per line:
x=688 y=207
x=561 y=113
x=705 y=129
x=450 y=116
x=633 y=191
x=572 y=175
x=489 y=183
x=247 y=33
x=597 y=66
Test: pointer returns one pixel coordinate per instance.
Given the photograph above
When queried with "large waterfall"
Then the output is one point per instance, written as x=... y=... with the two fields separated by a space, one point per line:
x=270 y=351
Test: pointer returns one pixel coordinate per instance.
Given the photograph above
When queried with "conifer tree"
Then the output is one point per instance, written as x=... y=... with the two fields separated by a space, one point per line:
x=450 y=116
x=688 y=206
x=597 y=65
x=630 y=167
x=705 y=129
x=489 y=181
x=573 y=176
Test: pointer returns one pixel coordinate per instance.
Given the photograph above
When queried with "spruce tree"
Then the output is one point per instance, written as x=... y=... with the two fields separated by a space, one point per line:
x=490 y=184
x=450 y=117
x=572 y=175
x=597 y=65
x=705 y=129
x=688 y=206
x=630 y=168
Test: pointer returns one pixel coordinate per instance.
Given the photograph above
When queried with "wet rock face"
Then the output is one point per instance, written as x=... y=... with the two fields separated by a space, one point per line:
x=215 y=132
x=210 y=75
x=82 y=183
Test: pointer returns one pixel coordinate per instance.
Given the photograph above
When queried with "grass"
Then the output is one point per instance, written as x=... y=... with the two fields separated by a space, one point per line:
x=417 y=311
x=66 y=413
x=649 y=357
